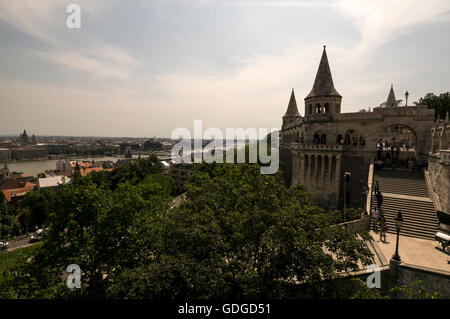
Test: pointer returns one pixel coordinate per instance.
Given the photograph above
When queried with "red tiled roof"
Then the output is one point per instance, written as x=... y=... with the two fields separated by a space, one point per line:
x=9 y=193
x=85 y=171
x=11 y=183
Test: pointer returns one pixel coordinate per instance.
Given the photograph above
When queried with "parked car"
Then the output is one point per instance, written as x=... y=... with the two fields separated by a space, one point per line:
x=37 y=236
x=3 y=245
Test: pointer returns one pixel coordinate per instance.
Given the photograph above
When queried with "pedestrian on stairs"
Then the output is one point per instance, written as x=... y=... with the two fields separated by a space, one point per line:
x=375 y=218
x=377 y=187
x=379 y=200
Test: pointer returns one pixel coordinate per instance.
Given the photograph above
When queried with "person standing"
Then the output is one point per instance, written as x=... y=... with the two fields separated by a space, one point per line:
x=377 y=187
x=375 y=218
x=379 y=200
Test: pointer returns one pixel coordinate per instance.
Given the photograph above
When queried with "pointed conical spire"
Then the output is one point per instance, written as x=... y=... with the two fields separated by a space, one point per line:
x=292 y=110
x=391 y=101
x=323 y=84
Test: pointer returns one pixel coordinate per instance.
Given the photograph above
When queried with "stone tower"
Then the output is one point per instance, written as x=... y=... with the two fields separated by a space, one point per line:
x=391 y=101
x=292 y=111
x=323 y=98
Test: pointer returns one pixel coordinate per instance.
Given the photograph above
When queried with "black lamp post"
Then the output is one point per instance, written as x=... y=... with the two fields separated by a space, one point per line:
x=398 y=224
x=406 y=96
x=365 y=193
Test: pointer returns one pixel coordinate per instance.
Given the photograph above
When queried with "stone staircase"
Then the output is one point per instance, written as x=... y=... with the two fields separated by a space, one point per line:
x=406 y=191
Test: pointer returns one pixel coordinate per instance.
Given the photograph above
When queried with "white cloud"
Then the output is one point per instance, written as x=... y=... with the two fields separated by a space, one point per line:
x=256 y=94
x=91 y=65
x=45 y=21
x=381 y=21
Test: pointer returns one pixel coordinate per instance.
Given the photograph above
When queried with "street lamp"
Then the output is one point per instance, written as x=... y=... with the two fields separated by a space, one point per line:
x=398 y=225
x=406 y=96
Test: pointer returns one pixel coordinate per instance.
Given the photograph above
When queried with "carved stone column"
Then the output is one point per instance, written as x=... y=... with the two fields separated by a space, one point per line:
x=330 y=165
x=338 y=169
x=311 y=172
x=322 y=178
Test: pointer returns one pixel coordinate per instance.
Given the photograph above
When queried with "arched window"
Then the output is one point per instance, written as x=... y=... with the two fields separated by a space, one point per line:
x=362 y=141
x=327 y=108
x=318 y=108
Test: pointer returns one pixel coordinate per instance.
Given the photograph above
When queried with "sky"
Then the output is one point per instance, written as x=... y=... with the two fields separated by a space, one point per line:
x=142 y=68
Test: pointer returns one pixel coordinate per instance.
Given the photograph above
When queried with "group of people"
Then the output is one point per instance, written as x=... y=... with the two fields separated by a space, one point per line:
x=378 y=219
x=392 y=160
x=404 y=144
x=379 y=223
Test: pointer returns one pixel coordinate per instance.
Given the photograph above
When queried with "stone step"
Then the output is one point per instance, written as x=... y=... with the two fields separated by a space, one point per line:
x=419 y=215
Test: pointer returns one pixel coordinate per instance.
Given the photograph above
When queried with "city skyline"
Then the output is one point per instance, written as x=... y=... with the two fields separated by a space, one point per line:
x=141 y=69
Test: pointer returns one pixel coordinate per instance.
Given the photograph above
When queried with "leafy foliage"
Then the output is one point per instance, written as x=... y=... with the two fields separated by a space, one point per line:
x=440 y=103
x=239 y=234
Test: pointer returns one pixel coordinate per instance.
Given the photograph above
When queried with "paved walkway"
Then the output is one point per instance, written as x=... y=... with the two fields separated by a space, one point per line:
x=414 y=251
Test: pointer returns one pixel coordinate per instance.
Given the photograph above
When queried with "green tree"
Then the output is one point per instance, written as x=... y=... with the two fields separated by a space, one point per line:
x=40 y=203
x=241 y=234
x=440 y=104
x=100 y=230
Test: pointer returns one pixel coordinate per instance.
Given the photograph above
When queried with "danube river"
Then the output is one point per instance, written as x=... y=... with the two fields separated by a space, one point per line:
x=35 y=167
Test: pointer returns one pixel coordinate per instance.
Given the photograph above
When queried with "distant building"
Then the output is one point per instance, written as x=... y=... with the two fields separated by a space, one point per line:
x=64 y=167
x=53 y=182
x=24 y=137
x=180 y=172
x=132 y=146
x=166 y=146
x=4 y=173
x=15 y=190
x=29 y=153
x=152 y=145
x=5 y=155
x=21 y=177
x=56 y=148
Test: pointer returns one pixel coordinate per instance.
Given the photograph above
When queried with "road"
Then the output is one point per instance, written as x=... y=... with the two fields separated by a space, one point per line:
x=21 y=243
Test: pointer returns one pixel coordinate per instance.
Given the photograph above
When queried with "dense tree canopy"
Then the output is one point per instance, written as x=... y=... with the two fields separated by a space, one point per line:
x=239 y=234
x=440 y=103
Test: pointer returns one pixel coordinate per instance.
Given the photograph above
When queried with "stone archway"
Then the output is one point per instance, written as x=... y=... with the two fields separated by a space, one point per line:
x=396 y=142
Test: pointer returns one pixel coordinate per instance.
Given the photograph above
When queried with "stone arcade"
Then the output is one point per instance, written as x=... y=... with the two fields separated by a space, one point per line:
x=319 y=147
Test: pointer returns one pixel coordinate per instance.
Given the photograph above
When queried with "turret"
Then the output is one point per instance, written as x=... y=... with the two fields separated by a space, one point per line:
x=391 y=101
x=323 y=98
x=292 y=111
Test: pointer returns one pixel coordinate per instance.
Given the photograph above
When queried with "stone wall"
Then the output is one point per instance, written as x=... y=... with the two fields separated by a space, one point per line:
x=439 y=176
x=357 y=225
x=433 y=280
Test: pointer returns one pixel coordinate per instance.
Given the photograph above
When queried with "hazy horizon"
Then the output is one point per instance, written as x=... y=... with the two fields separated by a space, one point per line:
x=143 y=68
